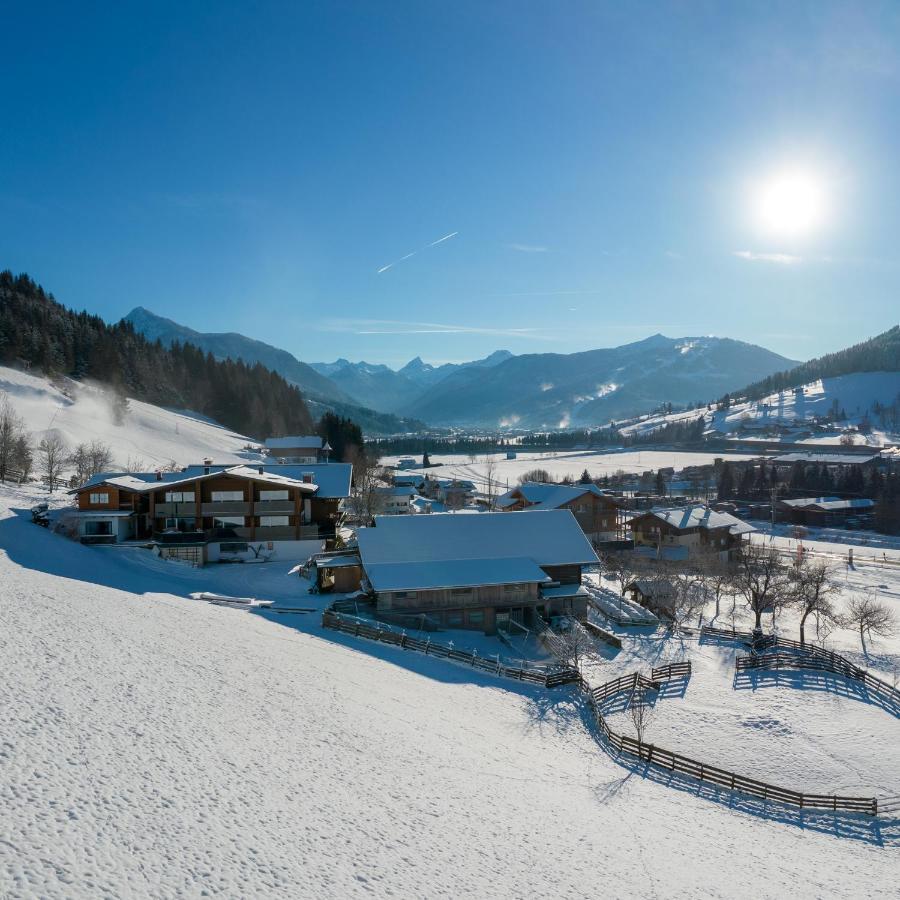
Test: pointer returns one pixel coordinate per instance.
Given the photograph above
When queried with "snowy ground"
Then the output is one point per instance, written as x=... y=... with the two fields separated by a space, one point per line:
x=153 y=745
x=560 y=464
x=150 y=433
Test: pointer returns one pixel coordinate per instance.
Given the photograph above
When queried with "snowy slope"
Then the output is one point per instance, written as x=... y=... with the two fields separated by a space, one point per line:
x=854 y=394
x=155 y=435
x=151 y=745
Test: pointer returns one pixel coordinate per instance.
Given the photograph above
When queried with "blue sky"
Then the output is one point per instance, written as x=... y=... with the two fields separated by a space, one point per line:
x=252 y=167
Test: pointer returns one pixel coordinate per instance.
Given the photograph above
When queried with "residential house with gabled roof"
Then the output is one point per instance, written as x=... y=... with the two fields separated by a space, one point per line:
x=688 y=531
x=597 y=512
x=210 y=512
x=297 y=449
x=822 y=511
x=479 y=571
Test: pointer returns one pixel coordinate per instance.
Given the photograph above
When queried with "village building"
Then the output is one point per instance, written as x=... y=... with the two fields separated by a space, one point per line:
x=826 y=511
x=832 y=461
x=213 y=512
x=297 y=450
x=599 y=513
x=396 y=500
x=689 y=531
x=480 y=571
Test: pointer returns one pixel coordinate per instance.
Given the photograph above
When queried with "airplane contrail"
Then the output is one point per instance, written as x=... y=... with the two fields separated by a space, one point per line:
x=391 y=265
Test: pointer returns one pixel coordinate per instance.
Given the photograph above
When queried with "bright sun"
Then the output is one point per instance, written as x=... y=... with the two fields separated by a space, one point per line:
x=790 y=203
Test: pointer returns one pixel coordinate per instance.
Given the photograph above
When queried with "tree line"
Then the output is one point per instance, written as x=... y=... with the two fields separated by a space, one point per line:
x=38 y=333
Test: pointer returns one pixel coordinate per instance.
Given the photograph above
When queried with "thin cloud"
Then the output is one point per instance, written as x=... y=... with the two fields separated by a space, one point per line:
x=528 y=248
x=390 y=326
x=396 y=262
x=784 y=259
x=672 y=254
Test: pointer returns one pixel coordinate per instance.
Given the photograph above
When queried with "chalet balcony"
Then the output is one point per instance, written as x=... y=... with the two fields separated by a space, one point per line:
x=176 y=538
x=175 y=509
x=226 y=508
x=274 y=507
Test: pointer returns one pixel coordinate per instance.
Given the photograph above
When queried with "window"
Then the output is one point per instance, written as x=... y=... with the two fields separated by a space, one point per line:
x=512 y=588
x=476 y=617
x=227 y=521
x=180 y=497
x=270 y=521
x=97 y=527
x=454 y=619
x=461 y=592
x=225 y=496
x=404 y=595
x=273 y=495
x=233 y=547
x=178 y=523
x=98 y=499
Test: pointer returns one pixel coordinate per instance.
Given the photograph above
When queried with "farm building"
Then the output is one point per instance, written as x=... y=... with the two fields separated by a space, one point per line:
x=691 y=529
x=479 y=571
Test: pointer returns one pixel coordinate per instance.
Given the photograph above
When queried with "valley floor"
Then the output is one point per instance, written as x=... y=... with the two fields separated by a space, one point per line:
x=155 y=745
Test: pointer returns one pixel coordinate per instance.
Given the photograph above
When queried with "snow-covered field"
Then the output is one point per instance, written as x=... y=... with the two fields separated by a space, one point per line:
x=154 y=745
x=150 y=433
x=560 y=464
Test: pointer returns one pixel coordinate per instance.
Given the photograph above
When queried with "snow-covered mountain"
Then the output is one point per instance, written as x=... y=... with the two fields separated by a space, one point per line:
x=559 y=390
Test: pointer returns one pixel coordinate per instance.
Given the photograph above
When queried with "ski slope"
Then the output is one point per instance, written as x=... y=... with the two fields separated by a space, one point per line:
x=855 y=394
x=154 y=745
x=81 y=413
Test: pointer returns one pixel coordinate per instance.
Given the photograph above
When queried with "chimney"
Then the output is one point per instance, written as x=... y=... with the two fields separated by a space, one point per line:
x=205 y=469
x=260 y=470
x=307 y=477
x=158 y=475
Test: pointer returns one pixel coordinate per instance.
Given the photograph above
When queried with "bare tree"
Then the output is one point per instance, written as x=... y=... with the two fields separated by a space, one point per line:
x=762 y=579
x=52 y=456
x=13 y=440
x=574 y=644
x=623 y=566
x=89 y=460
x=813 y=592
x=135 y=464
x=687 y=596
x=366 y=501
x=539 y=475
x=489 y=466
x=717 y=577
x=869 y=616
x=641 y=710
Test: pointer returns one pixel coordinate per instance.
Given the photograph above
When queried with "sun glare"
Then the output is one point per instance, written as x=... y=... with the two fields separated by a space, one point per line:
x=790 y=203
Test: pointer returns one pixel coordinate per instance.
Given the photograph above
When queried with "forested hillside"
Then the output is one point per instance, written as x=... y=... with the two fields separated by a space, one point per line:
x=879 y=354
x=38 y=332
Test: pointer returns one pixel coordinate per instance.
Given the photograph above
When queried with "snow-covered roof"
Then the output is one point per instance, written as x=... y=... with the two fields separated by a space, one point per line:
x=445 y=550
x=547 y=496
x=295 y=442
x=846 y=459
x=333 y=479
x=142 y=482
x=829 y=503
x=564 y=590
x=687 y=517
x=453 y=573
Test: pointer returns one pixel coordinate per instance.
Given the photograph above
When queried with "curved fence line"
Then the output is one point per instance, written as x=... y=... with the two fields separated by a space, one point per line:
x=548 y=677
x=676 y=762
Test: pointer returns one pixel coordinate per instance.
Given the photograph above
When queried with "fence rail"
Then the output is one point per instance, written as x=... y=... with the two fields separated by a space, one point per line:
x=705 y=772
x=544 y=676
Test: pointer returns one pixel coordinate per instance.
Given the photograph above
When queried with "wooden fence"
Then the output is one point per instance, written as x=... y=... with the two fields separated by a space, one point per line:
x=676 y=762
x=548 y=677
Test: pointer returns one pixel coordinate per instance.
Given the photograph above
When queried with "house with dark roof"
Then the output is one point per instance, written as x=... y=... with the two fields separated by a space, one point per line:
x=297 y=449
x=477 y=571
x=690 y=530
x=213 y=512
x=598 y=512
x=823 y=511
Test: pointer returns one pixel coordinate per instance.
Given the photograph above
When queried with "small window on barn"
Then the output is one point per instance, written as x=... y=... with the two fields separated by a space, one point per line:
x=476 y=617
x=454 y=619
x=512 y=588
x=461 y=592
x=100 y=498
x=404 y=595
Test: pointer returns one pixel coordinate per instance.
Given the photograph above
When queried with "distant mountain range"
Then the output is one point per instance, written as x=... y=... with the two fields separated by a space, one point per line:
x=536 y=390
